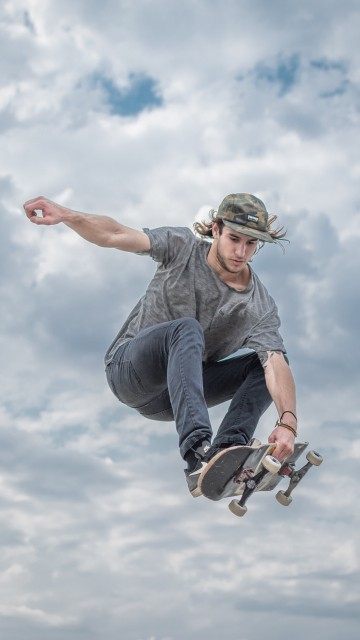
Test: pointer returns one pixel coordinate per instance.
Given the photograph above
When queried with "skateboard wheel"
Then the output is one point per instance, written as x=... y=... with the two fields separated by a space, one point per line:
x=237 y=509
x=314 y=458
x=283 y=499
x=271 y=464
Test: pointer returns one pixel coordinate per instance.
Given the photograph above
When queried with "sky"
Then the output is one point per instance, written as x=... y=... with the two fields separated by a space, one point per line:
x=151 y=112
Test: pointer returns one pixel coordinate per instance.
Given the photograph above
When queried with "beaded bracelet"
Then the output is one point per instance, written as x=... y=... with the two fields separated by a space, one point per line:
x=280 y=423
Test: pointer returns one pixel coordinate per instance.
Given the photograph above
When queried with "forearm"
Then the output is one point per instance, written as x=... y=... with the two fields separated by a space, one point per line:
x=100 y=230
x=281 y=386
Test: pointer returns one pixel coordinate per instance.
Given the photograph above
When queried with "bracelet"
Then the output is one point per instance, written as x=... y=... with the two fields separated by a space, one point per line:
x=279 y=423
x=291 y=413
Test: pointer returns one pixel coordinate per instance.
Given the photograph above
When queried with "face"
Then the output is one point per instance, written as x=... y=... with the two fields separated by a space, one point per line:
x=233 y=250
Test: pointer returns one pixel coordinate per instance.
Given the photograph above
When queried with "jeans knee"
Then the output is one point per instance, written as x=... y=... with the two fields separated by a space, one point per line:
x=188 y=324
x=191 y=323
x=189 y=329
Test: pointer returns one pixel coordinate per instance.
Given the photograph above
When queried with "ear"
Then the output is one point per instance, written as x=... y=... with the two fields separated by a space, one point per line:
x=215 y=230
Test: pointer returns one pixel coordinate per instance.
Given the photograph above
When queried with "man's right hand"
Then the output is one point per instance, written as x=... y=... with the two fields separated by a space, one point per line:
x=100 y=230
x=51 y=213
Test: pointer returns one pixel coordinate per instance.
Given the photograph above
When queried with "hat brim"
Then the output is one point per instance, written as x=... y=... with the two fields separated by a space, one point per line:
x=253 y=233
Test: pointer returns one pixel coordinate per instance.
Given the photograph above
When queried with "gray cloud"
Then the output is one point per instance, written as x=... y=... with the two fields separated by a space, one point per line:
x=98 y=535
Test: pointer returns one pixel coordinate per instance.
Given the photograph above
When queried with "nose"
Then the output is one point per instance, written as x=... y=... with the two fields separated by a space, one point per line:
x=241 y=250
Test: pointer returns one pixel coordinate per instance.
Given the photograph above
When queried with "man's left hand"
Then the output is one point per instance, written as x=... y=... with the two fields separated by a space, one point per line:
x=284 y=440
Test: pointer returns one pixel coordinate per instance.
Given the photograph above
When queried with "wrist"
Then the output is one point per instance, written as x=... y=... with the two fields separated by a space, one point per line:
x=70 y=217
x=289 y=417
x=286 y=425
x=68 y=214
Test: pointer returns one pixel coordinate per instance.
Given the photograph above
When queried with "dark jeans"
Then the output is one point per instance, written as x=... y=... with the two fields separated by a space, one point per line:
x=161 y=374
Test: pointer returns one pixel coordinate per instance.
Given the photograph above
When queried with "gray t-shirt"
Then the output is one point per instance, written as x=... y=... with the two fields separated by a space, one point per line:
x=184 y=285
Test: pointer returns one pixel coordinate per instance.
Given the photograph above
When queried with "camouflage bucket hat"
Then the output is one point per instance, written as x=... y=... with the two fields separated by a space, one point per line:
x=245 y=214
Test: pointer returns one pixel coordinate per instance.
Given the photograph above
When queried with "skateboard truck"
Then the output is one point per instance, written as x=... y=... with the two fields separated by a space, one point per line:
x=314 y=459
x=269 y=465
x=273 y=466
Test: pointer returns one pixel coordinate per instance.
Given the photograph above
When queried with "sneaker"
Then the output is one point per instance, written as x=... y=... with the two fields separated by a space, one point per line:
x=192 y=475
x=255 y=443
x=204 y=454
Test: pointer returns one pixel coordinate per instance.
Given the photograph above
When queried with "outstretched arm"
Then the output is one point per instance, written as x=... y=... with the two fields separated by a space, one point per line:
x=281 y=386
x=100 y=230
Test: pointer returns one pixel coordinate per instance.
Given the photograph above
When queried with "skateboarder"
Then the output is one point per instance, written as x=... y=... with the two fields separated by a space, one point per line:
x=170 y=359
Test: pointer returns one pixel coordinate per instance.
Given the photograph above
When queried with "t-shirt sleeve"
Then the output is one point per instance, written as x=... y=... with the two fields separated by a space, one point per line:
x=265 y=335
x=168 y=242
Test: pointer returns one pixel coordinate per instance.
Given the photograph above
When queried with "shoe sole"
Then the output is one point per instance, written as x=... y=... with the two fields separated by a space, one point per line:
x=196 y=492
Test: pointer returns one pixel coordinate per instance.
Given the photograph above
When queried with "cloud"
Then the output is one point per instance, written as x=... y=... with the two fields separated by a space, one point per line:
x=151 y=113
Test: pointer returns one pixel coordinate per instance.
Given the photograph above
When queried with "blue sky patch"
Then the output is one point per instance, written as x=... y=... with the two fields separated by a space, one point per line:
x=328 y=65
x=141 y=94
x=284 y=74
x=335 y=72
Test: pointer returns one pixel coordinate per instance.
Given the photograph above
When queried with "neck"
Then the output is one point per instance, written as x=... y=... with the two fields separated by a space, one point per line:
x=238 y=280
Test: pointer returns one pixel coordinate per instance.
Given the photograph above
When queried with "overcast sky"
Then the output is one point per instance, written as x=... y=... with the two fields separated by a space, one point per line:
x=151 y=111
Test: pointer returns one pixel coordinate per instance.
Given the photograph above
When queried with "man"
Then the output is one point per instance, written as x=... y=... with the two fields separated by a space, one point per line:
x=170 y=360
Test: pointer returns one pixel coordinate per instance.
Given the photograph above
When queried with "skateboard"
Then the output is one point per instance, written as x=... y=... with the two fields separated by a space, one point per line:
x=243 y=470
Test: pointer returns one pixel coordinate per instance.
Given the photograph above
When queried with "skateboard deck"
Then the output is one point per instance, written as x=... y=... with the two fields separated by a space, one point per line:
x=240 y=471
x=222 y=477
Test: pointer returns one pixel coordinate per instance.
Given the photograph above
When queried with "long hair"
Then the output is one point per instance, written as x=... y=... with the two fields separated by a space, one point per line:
x=204 y=229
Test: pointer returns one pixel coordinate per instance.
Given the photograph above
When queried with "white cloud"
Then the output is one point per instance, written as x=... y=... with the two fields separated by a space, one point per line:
x=99 y=537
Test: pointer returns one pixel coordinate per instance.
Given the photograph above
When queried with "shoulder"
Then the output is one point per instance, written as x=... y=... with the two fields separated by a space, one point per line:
x=261 y=291
x=167 y=242
x=170 y=232
x=262 y=305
